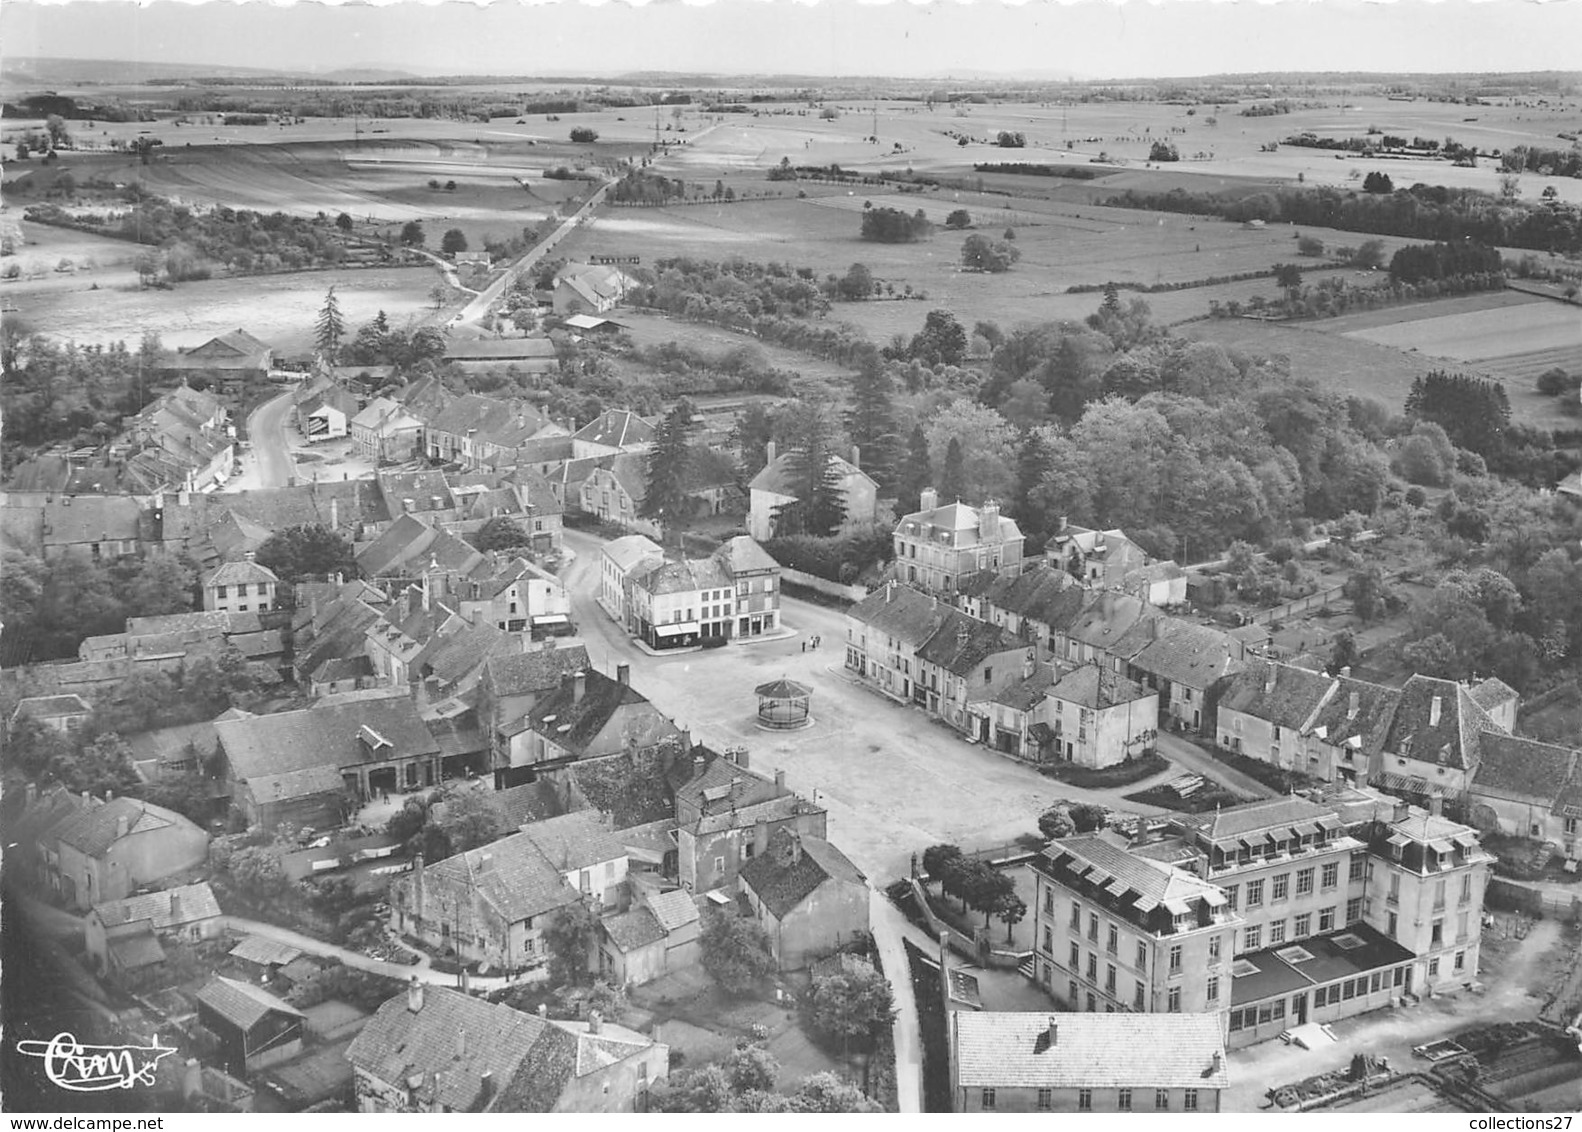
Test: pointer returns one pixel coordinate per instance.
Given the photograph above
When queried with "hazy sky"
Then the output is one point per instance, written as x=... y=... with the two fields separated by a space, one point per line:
x=1094 y=39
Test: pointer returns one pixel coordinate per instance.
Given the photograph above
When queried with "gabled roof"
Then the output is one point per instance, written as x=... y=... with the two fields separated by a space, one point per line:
x=666 y=578
x=1189 y=654
x=794 y=867
x=961 y=643
x=674 y=909
x=241 y=573
x=93 y=830
x=573 y=724
x=171 y=908
x=632 y=930
x=1278 y=814
x=744 y=555
x=326 y=735
x=724 y=786
x=72 y=519
x=1277 y=693
x=616 y=428
x=242 y=1004
x=1096 y=686
x=498 y=349
x=1453 y=739
x=1357 y=716
x=63 y=706
x=630 y=470
x=576 y=840
x=511 y=875
x=1089 y=1051
x=538 y=671
x=1492 y=693
x=264 y=951
x=779 y=476
x=630 y=551
x=1154 y=880
x=1523 y=770
x=900 y=611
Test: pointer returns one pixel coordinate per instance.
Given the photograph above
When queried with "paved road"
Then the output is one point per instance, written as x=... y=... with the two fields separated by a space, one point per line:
x=1190 y=756
x=266 y=430
x=479 y=306
x=356 y=959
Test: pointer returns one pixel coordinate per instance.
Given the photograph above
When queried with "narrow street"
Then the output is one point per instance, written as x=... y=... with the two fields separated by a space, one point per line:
x=269 y=463
x=1189 y=756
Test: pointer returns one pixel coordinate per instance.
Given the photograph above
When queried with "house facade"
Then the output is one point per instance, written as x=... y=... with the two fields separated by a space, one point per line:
x=1097 y=718
x=109 y=849
x=241 y=587
x=806 y=895
x=936 y=547
x=619 y=563
x=773 y=488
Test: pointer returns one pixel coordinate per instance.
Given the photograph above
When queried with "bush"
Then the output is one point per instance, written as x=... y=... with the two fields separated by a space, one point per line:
x=584 y=135
x=1553 y=382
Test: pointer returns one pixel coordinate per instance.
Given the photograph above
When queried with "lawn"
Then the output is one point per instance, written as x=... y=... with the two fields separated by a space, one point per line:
x=1109 y=777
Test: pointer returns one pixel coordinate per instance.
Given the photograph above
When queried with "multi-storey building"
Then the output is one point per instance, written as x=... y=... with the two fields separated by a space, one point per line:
x=1118 y=931
x=937 y=547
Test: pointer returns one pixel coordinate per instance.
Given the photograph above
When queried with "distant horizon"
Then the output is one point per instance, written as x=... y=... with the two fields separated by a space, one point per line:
x=1037 y=41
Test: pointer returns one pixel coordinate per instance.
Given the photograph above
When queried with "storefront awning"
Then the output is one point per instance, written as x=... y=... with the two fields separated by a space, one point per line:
x=552 y=619
x=677 y=629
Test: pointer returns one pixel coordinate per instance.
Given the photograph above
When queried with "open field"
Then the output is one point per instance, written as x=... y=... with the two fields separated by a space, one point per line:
x=280 y=309
x=1478 y=335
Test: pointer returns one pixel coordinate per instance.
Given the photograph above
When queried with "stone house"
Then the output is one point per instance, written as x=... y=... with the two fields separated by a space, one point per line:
x=805 y=893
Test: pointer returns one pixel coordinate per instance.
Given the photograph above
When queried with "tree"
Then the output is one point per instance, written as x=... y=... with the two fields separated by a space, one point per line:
x=852 y=1004
x=871 y=421
x=958 y=219
x=412 y=235
x=916 y=472
x=893 y=226
x=1474 y=411
x=1088 y=817
x=1376 y=182
x=942 y=340
x=856 y=284
x=1309 y=246
x=569 y=938
x=988 y=448
x=1008 y=139
x=1287 y=276
x=258 y=873
x=1012 y=910
x=1369 y=254
x=1056 y=822
x=59 y=136
x=344 y=222
x=453 y=242
x=584 y=135
x=1163 y=151
x=705 y=1089
x=162 y=584
x=1555 y=381
x=330 y=328
x=819 y=507
x=752 y=1069
x=668 y=461
x=470 y=821
x=979 y=253
x=735 y=951
x=825 y=1092
x=306 y=552
x=148 y=263
x=953 y=480
x=1343 y=651
x=500 y=533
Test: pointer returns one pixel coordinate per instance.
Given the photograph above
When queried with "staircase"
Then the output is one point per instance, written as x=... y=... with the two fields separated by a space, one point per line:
x=1028 y=968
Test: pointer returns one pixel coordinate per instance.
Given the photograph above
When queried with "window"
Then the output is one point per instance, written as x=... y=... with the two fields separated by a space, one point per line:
x=1461 y=960
x=1331 y=876
x=1439 y=894
x=1213 y=949
x=1189 y=1099
x=219 y=591
x=1123 y=1099
x=1252 y=938
x=1161 y=1099
x=1049 y=940
x=1304 y=881
x=1212 y=988
x=988 y=1099
x=1437 y=935
x=1173 y=1000
x=719 y=866
x=1466 y=878
x=1076 y=958
x=1093 y=1004
x=1084 y=1100
x=1076 y=917
x=1109 y=978
x=1304 y=925
x=1139 y=995
x=1046 y=1100
x=1394 y=896
x=1353 y=910
x=1113 y=942
x=1232 y=892
x=1093 y=967
x=1049 y=902
x=1093 y=927
x=1276 y=932
x=1326 y=920
x=1461 y=927
x=1359 y=866
x=988 y=674
x=1433 y=967
x=1072 y=986
x=1142 y=956
x=1254 y=893
x=1175 y=959
x=1280 y=888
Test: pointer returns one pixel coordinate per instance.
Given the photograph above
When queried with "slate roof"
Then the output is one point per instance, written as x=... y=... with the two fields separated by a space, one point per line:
x=172 y=908
x=744 y=555
x=961 y=643
x=1454 y=740
x=1152 y=879
x=511 y=875
x=632 y=930
x=1095 y=686
x=630 y=551
x=1523 y=770
x=1189 y=654
x=242 y=573
x=779 y=476
x=1256 y=817
x=399 y=1045
x=323 y=736
x=577 y=723
x=900 y=611
x=1090 y=1051
x=242 y=1004
x=674 y=909
x=537 y=671
x=1295 y=695
x=616 y=428
x=576 y=840
x=93 y=830
x=783 y=878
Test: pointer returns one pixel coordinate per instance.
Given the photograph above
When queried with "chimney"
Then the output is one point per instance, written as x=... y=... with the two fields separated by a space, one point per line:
x=1054 y=1031
x=989 y=521
x=1061 y=529
x=595 y=1022
x=175 y=905
x=697 y=765
x=414 y=995
x=579 y=687
x=796 y=847
x=335 y=514
x=486 y=862
x=543 y=1010
x=407 y=505
x=856 y=457
x=417 y=885
x=769 y=453
x=780 y=779
x=486 y=1086
x=121 y=826
x=927 y=499
x=250 y=556
x=1434 y=708
x=686 y=741
x=1268 y=678
x=623 y=673
x=1436 y=805
x=1353 y=704
x=461 y=1043
x=742 y=757
x=1217 y=1062
x=760 y=838
x=1345 y=671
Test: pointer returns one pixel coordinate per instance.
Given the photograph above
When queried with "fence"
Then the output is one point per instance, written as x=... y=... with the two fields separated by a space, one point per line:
x=1300 y=605
x=1509 y=896
x=801 y=578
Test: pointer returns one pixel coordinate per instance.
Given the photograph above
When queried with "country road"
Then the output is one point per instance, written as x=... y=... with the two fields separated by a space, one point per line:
x=266 y=429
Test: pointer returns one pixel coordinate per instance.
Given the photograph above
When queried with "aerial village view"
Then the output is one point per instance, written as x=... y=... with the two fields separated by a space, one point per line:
x=772 y=558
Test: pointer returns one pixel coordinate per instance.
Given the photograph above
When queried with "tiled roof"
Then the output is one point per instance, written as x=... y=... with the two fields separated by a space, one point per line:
x=1523 y=769
x=793 y=868
x=304 y=783
x=1106 y=618
x=630 y=551
x=723 y=786
x=325 y=735
x=1284 y=696
x=1452 y=740
x=744 y=555
x=576 y=840
x=632 y=930
x=242 y=1004
x=961 y=643
x=1156 y=881
x=1254 y=817
x=1090 y=1051
x=95 y=829
x=498 y=349
x=136 y=949
x=900 y=611
x=69 y=520
x=1363 y=729
x=1027 y=693
x=242 y=573
x=537 y=671
x=616 y=428
x=171 y=908
x=631 y=788
x=512 y=875
x=631 y=472
x=576 y=723
x=264 y=951
x=779 y=477
x=1493 y=692
x=674 y=909
x=1095 y=686
x=667 y=578
x=1193 y=655
x=450 y=1043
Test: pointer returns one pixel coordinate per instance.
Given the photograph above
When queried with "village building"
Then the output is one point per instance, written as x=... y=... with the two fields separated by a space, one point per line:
x=883 y=633
x=512 y=685
x=806 y=895
x=589 y=289
x=1187 y=664
x=528 y=355
x=327 y=415
x=1082 y=1063
x=127 y=935
x=253 y=1028
x=611 y=433
x=1096 y=718
x=718 y=809
x=384 y=431
x=108 y=849
x=939 y=546
x=620 y=562
x=589 y=715
x=241 y=587
x=62 y=714
x=1099 y=559
x=963 y=666
x=657 y=936
x=231 y=361
x=773 y=488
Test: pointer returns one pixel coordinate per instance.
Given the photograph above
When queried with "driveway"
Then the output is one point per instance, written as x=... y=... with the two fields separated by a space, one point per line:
x=1189 y=756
